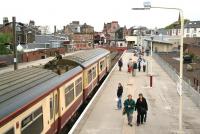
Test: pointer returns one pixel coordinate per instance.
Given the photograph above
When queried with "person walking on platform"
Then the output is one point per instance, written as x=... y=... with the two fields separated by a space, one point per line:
x=142 y=108
x=139 y=63
x=144 y=65
x=129 y=107
x=129 y=65
x=139 y=66
x=134 y=69
x=119 y=96
x=120 y=64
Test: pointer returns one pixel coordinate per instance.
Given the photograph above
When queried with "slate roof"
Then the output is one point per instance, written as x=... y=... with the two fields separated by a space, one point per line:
x=192 y=24
x=87 y=57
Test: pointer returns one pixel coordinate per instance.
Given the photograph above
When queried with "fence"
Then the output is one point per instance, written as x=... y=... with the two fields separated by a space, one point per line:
x=187 y=88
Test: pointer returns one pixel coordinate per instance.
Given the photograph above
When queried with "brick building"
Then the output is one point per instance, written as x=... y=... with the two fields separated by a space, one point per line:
x=25 y=33
x=110 y=29
x=80 y=35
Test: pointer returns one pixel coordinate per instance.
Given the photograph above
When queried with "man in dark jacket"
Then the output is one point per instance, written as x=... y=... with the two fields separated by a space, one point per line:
x=120 y=64
x=129 y=105
x=142 y=108
x=134 y=69
x=119 y=96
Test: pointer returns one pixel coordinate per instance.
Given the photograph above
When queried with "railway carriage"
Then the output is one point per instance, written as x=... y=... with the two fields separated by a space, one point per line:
x=36 y=100
x=95 y=63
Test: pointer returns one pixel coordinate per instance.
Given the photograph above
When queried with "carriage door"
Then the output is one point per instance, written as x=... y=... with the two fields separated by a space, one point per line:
x=93 y=76
x=107 y=63
x=54 y=109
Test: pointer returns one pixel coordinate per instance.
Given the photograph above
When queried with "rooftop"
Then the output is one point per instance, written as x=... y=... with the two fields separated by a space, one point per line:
x=192 y=24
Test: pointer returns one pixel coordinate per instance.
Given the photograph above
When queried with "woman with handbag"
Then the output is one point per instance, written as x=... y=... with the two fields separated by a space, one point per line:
x=129 y=107
x=142 y=108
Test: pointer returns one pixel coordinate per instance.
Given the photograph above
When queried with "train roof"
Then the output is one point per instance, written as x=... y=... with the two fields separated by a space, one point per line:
x=20 y=88
x=87 y=57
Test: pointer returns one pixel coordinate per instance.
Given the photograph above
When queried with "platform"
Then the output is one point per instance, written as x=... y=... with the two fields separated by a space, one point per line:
x=102 y=116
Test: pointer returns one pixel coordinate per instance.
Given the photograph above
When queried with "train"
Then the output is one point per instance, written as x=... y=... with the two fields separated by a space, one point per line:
x=41 y=100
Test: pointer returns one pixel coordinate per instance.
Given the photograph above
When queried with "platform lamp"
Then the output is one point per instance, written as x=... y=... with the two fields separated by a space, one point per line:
x=147 y=6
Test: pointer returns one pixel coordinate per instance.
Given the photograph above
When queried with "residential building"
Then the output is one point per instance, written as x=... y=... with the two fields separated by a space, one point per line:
x=109 y=30
x=24 y=33
x=80 y=35
x=192 y=29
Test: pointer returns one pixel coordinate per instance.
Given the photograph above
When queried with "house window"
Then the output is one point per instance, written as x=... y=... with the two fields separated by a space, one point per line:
x=188 y=30
x=121 y=44
x=187 y=35
x=195 y=30
x=194 y=35
x=69 y=94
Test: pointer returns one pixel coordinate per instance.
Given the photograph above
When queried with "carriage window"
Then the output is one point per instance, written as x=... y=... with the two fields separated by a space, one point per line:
x=94 y=72
x=69 y=94
x=10 y=131
x=33 y=123
x=26 y=121
x=56 y=103
x=37 y=112
x=102 y=65
x=51 y=108
x=89 y=76
x=79 y=87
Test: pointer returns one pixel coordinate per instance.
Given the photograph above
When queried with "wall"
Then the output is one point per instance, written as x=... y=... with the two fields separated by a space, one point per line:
x=194 y=49
x=32 y=56
x=40 y=54
x=162 y=47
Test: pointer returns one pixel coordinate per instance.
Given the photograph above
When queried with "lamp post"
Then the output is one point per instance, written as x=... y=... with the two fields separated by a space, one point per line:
x=147 y=6
x=151 y=72
x=14 y=43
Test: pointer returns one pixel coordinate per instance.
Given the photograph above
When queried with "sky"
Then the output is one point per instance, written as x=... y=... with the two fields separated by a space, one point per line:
x=96 y=12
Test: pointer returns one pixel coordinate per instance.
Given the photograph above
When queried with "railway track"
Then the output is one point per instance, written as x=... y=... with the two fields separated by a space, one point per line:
x=195 y=74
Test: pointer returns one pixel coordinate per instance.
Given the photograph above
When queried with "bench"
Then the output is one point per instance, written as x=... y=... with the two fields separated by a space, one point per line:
x=3 y=63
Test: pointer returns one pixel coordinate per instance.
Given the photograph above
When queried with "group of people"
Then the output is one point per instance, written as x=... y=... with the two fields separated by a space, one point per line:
x=130 y=106
x=133 y=65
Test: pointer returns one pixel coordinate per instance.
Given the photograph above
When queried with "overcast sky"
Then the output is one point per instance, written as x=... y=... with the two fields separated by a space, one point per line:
x=96 y=12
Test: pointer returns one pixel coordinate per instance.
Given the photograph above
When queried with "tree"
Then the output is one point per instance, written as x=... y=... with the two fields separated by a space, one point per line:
x=4 y=40
x=176 y=24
